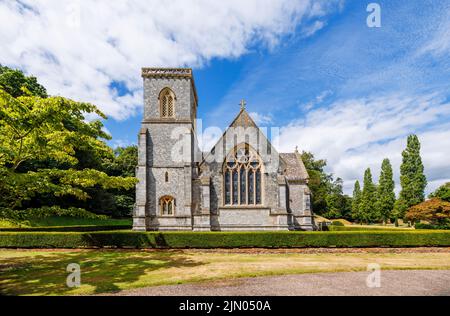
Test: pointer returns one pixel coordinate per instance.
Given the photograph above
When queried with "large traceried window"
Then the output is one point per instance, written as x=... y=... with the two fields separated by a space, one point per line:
x=242 y=178
x=167 y=103
x=167 y=205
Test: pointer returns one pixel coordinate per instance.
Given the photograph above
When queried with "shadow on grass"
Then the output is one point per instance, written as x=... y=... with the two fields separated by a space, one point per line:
x=101 y=270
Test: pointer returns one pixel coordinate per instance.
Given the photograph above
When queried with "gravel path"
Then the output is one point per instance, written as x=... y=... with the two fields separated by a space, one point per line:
x=405 y=282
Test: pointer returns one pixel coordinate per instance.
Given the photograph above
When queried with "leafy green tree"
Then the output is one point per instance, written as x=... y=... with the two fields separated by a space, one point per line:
x=34 y=129
x=336 y=201
x=15 y=82
x=356 y=202
x=385 y=196
x=319 y=182
x=368 y=198
x=123 y=164
x=443 y=192
x=412 y=178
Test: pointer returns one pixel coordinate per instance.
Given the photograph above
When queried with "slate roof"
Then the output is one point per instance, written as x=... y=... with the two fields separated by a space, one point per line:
x=295 y=169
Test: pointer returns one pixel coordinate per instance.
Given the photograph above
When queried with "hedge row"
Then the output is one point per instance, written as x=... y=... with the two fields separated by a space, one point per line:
x=84 y=228
x=130 y=239
x=48 y=211
x=430 y=226
x=365 y=228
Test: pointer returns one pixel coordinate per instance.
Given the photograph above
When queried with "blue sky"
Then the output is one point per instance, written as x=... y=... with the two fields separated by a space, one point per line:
x=348 y=93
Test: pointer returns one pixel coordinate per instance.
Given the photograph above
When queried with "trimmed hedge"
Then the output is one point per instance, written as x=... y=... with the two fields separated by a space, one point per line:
x=130 y=239
x=48 y=211
x=84 y=228
x=365 y=228
x=430 y=226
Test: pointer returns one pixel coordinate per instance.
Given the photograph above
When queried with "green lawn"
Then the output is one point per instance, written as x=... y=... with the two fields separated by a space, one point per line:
x=43 y=272
x=65 y=221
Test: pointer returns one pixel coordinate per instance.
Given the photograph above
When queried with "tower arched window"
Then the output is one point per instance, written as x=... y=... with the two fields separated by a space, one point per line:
x=167 y=205
x=242 y=178
x=167 y=103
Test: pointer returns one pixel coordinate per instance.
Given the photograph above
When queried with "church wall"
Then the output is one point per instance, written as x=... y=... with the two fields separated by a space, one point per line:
x=267 y=216
x=296 y=200
x=182 y=89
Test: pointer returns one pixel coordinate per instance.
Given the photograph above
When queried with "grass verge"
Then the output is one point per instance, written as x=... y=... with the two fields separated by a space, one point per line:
x=43 y=272
x=131 y=239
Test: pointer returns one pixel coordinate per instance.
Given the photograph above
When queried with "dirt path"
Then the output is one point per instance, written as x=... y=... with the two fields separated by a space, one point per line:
x=405 y=282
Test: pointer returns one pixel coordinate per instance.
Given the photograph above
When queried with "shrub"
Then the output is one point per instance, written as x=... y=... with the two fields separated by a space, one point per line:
x=337 y=223
x=430 y=226
x=127 y=239
x=47 y=211
x=85 y=228
x=365 y=228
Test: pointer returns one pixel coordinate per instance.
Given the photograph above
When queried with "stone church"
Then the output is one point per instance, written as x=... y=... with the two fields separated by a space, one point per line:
x=241 y=184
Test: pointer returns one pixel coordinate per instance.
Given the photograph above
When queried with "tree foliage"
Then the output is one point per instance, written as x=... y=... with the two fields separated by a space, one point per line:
x=327 y=196
x=412 y=177
x=319 y=181
x=42 y=140
x=17 y=84
x=435 y=210
x=385 y=195
x=443 y=192
x=356 y=201
x=368 y=199
x=338 y=204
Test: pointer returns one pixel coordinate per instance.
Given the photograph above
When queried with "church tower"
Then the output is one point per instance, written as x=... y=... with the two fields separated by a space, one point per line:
x=167 y=151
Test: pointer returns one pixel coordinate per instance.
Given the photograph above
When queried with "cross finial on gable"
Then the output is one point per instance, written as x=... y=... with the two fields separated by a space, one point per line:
x=243 y=103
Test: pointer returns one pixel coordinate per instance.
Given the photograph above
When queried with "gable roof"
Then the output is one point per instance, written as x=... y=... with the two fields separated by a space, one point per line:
x=293 y=164
x=243 y=119
x=295 y=168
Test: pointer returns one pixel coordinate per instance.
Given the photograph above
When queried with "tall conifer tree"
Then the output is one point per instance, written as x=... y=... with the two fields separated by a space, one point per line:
x=412 y=177
x=368 y=198
x=356 y=201
x=385 y=195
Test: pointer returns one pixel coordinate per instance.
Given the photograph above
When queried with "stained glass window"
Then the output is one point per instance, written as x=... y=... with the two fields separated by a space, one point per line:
x=235 y=187
x=258 y=186
x=243 y=182
x=227 y=187
x=242 y=178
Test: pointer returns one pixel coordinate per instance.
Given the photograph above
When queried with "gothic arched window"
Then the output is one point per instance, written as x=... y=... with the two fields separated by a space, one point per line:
x=167 y=102
x=242 y=178
x=167 y=205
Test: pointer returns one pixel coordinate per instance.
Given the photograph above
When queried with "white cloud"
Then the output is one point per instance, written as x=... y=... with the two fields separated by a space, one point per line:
x=439 y=43
x=356 y=134
x=77 y=49
x=261 y=119
x=317 y=100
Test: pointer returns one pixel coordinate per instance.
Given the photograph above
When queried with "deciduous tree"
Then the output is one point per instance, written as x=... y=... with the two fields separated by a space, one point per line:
x=49 y=129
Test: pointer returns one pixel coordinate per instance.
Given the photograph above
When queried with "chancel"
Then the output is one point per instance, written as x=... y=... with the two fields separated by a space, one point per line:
x=241 y=184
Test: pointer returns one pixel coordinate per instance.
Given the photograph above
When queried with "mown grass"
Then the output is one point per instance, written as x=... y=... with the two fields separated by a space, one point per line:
x=43 y=272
